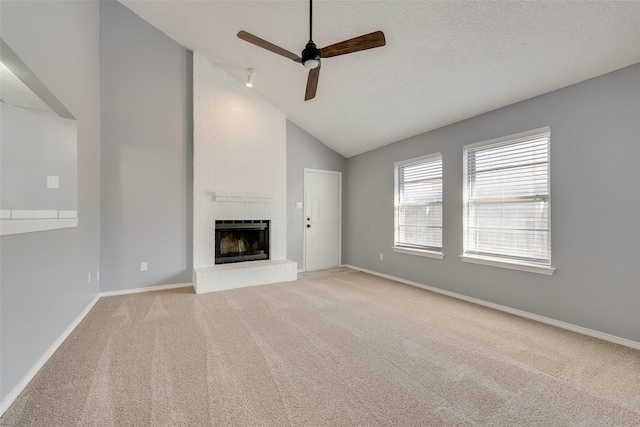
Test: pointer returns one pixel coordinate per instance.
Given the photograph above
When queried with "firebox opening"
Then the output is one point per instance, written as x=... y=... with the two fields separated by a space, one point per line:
x=239 y=241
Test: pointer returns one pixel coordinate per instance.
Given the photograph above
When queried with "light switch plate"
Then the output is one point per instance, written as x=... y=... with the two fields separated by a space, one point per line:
x=298 y=205
x=143 y=266
x=53 y=181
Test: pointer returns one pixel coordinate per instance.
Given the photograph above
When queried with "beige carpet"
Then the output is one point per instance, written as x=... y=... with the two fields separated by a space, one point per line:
x=342 y=349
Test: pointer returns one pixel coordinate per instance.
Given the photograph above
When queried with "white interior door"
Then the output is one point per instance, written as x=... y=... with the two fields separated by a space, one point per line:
x=322 y=190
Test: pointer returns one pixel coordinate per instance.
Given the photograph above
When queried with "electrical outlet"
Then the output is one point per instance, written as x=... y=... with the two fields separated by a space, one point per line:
x=143 y=266
x=88 y=277
x=381 y=256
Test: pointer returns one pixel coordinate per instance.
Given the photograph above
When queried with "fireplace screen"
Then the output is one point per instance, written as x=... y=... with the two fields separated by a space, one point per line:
x=238 y=241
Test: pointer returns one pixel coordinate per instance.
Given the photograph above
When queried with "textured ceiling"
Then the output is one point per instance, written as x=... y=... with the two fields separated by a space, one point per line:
x=13 y=91
x=444 y=60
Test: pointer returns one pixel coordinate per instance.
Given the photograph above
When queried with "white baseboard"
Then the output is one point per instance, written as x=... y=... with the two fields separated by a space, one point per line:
x=560 y=324
x=147 y=289
x=15 y=392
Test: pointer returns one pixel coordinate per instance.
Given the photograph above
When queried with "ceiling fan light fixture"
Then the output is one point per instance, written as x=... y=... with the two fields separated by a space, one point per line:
x=250 y=76
x=311 y=63
x=311 y=56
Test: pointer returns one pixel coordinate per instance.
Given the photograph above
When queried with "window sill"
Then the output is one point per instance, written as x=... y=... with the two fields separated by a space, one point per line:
x=418 y=252
x=495 y=262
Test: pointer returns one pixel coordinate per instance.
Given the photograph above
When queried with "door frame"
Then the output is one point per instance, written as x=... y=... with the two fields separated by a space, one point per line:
x=304 y=212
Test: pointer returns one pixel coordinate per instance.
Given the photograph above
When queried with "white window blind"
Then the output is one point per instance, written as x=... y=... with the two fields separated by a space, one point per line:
x=418 y=203
x=507 y=196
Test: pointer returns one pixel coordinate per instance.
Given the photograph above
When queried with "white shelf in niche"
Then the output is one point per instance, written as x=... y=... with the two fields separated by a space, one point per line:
x=29 y=221
x=19 y=226
x=241 y=197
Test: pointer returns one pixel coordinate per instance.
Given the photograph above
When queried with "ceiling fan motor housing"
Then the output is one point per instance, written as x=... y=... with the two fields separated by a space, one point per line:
x=311 y=56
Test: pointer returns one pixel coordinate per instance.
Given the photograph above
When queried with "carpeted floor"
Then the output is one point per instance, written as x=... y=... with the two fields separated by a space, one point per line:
x=340 y=349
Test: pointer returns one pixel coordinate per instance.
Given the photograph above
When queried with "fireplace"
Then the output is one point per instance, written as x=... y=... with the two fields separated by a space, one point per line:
x=239 y=241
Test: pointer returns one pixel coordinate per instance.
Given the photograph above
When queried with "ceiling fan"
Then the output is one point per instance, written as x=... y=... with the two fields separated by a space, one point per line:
x=311 y=55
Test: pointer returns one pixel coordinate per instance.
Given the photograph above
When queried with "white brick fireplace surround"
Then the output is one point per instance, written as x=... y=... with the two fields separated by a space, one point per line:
x=239 y=173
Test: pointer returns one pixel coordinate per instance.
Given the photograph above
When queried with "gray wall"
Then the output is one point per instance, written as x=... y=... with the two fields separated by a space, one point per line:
x=304 y=151
x=37 y=143
x=594 y=210
x=43 y=278
x=147 y=149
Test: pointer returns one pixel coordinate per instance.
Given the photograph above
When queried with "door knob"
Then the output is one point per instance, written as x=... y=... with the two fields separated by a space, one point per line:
x=308 y=225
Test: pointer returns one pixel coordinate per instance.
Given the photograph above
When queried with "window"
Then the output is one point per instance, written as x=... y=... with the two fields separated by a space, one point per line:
x=507 y=196
x=418 y=206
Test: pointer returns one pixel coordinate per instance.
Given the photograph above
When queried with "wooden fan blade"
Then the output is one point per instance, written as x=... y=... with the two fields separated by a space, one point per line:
x=368 y=41
x=312 y=84
x=266 y=45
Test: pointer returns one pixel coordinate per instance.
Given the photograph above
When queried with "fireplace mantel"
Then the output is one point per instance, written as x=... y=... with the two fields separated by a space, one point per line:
x=242 y=197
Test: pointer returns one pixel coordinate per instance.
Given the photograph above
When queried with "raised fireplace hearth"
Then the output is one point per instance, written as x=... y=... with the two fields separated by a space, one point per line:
x=242 y=240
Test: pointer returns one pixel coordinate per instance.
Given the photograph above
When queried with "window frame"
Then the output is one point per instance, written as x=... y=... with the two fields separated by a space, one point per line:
x=419 y=250
x=497 y=260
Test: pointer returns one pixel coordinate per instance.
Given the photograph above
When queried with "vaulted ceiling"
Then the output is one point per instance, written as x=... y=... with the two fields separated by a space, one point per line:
x=444 y=61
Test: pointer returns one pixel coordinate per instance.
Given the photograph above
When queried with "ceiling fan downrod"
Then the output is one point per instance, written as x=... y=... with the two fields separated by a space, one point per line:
x=310 y=20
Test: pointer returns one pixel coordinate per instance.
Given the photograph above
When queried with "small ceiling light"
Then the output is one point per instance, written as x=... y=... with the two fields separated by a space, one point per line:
x=250 y=76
